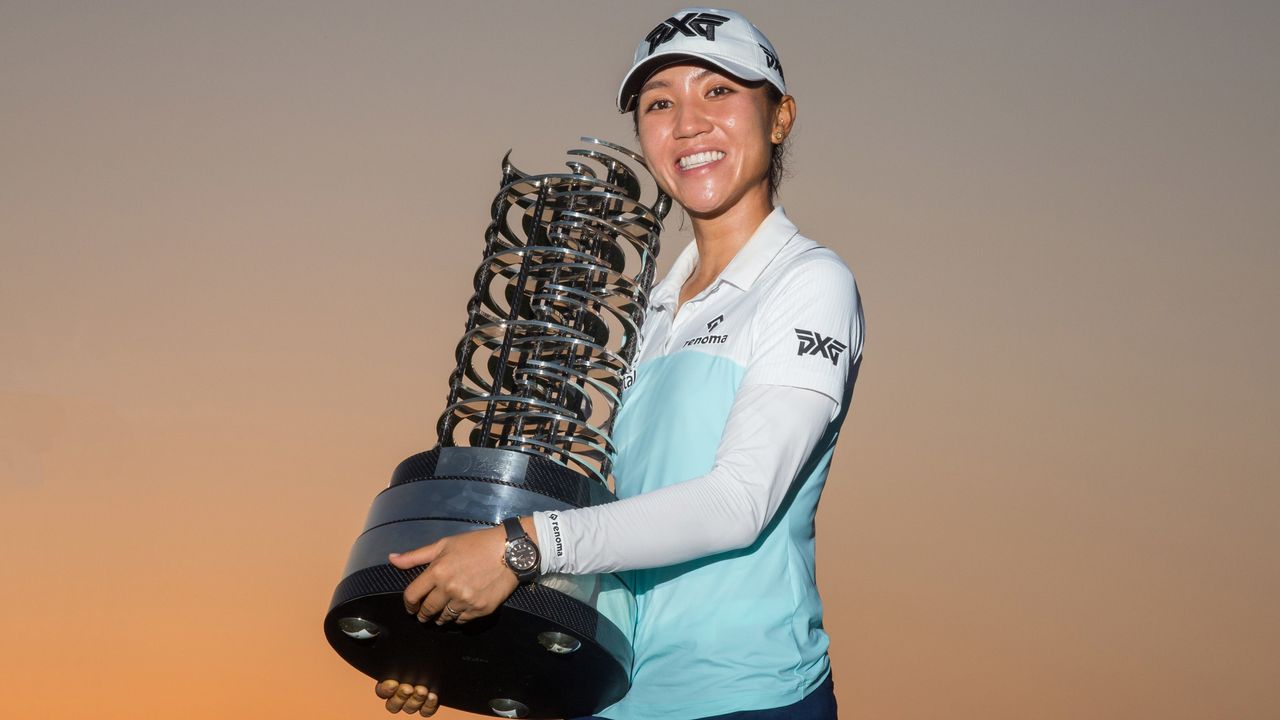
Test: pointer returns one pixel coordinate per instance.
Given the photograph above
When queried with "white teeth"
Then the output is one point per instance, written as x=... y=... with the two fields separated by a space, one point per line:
x=697 y=159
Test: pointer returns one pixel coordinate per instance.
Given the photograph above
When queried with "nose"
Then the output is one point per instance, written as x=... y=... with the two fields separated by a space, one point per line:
x=691 y=120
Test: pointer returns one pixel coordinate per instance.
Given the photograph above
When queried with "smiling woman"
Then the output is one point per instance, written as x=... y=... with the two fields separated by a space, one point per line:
x=724 y=445
x=778 y=148
x=709 y=137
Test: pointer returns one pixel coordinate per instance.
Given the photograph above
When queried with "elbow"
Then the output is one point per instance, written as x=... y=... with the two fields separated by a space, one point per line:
x=740 y=537
x=743 y=531
x=745 y=516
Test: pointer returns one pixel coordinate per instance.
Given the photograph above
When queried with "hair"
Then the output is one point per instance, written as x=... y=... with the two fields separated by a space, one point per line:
x=778 y=157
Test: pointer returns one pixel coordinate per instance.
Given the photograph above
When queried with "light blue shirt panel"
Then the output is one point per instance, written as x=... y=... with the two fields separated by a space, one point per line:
x=734 y=631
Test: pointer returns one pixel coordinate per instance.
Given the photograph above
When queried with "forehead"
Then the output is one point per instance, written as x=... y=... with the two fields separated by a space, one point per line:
x=686 y=72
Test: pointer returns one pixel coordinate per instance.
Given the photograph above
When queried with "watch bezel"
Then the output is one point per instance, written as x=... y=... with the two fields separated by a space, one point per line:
x=522 y=548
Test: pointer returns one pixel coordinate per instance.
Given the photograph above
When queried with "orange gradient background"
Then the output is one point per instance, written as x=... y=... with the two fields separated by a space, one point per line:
x=236 y=242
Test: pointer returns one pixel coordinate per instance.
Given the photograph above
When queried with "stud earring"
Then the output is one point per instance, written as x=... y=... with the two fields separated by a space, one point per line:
x=777 y=136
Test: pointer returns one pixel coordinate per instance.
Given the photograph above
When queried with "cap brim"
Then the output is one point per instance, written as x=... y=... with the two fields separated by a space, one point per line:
x=630 y=87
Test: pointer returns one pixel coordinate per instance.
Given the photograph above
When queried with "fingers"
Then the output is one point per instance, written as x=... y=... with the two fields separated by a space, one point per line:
x=431 y=705
x=456 y=609
x=408 y=698
x=397 y=701
x=438 y=606
x=450 y=614
x=414 y=558
x=431 y=605
x=386 y=688
x=441 y=615
x=468 y=615
x=417 y=700
x=417 y=591
x=462 y=581
x=422 y=584
x=427 y=599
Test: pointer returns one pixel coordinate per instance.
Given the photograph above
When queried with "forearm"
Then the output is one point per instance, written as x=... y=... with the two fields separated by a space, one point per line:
x=771 y=432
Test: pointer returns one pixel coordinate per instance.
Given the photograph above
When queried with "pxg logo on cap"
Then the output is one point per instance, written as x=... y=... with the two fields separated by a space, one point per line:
x=721 y=38
x=691 y=25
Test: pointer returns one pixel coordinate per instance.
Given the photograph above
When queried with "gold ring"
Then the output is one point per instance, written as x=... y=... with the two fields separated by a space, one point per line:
x=451 y=611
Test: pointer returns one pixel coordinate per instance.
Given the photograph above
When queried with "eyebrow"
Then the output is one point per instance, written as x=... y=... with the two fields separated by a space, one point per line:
x=663 y=83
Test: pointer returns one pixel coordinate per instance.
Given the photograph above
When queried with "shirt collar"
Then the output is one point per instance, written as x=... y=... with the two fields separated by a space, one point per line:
x=667 y=292
x=760 y=250
x=742 y=272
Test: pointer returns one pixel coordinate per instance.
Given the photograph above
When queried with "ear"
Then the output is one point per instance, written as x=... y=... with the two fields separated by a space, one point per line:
x=783 y=118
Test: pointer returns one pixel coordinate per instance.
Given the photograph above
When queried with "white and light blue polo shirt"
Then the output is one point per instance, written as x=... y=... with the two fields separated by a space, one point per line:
x=742 y=629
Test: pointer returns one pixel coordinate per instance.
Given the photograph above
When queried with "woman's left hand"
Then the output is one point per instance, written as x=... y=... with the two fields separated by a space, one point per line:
x=466 y=577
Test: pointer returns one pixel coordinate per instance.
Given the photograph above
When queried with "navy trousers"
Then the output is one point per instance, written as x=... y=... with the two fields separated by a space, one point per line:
x=817 y=705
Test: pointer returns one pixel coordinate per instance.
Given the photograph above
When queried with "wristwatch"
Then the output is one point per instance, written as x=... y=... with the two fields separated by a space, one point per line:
x=521 y=554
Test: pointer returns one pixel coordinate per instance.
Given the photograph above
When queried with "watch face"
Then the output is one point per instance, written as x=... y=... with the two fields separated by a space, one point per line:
x=522 y=555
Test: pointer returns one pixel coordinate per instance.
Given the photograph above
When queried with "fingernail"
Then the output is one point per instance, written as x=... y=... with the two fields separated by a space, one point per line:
x=394 y=555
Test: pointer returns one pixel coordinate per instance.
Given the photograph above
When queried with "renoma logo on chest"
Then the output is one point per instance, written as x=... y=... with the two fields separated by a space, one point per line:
x=691 y=25
x=812 y=343
x=709 y=339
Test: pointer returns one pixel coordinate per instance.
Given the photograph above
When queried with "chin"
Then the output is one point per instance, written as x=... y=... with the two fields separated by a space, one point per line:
x=714 y=196
x=708 y=210
x=700 y=202
x=701 y=209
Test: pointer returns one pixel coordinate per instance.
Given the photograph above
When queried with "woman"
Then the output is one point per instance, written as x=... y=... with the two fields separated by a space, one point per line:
x=749 y=352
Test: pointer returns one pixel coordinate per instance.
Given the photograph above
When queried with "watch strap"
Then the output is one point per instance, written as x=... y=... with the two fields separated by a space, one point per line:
x=515 y=530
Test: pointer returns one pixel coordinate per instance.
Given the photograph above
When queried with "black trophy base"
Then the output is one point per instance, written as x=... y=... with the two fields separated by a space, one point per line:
x=513 y=663
x=543 y=654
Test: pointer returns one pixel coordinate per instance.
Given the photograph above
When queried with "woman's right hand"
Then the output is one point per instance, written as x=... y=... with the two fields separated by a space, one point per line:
x=408 y=698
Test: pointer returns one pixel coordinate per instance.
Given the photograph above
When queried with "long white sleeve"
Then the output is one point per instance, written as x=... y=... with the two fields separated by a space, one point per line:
x=771 y=431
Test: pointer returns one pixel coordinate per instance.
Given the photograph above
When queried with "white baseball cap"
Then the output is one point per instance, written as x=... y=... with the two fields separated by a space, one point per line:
x=723 y=38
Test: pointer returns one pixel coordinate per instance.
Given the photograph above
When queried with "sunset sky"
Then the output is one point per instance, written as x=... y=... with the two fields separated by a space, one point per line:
x=236 y=242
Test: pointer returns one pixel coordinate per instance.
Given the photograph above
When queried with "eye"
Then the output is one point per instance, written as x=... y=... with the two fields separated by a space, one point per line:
x=719 y=90
x=658 y=105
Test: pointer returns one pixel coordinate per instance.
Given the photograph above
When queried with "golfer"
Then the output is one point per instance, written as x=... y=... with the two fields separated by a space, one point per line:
x=749 y=352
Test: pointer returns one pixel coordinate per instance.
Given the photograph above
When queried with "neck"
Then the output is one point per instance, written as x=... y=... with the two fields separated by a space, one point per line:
x=720 y=237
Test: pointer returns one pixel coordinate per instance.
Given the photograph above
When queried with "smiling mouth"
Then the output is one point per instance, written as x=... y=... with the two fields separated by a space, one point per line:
x=689 y=162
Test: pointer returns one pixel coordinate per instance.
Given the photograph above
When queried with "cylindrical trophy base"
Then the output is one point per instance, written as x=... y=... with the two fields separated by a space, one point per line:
x=556 y=648
x=537 y=656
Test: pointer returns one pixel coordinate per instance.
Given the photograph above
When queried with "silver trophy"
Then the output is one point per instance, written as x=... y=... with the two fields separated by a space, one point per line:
x=551 y=332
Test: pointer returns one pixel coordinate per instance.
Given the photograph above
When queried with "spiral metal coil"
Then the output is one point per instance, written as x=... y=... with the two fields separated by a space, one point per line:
x=555 y=319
